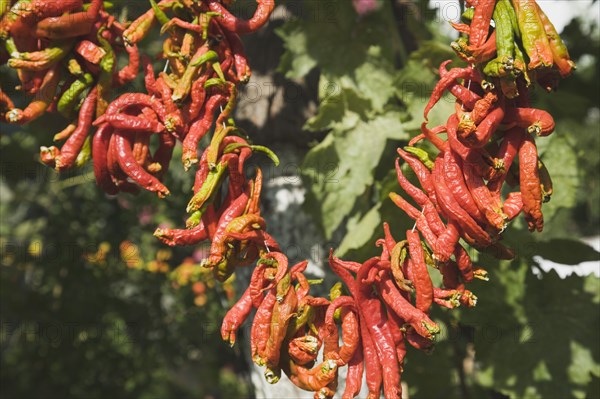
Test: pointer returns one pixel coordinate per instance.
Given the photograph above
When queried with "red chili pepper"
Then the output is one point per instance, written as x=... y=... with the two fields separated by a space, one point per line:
x=174 y=120
x=163 y=154
x=149 y=78
x=99 y=152
x=421 y=171
x=480 y=25
x=485 y=200
x=311 y=379
x=217 y=248
x=42 y=99
x=90 y=51
x=453 y=209
x=475 y=54
x=242 y=68
x=478 y=136
x=69 y=25
x=259 y=333
x=354 y=376
x=416 y=215
x=133 y=170
x=210 y=220
x=455 y=181
x=180 y=237
x=303 y=350
x=536 y=121
x=404 y=309
x=233 y=24
x=372 y=364
x=350 y=327
x=72 y=147
x=117 y=175
x=128 y=100
x=447 y=80
x=282 y=313
x=529 y=181
x=486 y=166
x=235 y=317
x=422 y=281
x=375 y=319
x=132 y=123
x=198 y=95
x=513 y=205
x=431 y=135
x=129 y=71
x=198 y=129
x=415 y=193
x=373 y=367
x=507 y=152
x=464 y=263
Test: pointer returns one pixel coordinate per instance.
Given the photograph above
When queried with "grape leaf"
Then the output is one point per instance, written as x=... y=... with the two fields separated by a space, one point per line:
x=532 y=335
x=340 y=168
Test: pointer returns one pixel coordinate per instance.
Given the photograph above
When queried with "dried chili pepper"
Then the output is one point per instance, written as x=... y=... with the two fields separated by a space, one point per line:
x=74 y=143
x=529 y=181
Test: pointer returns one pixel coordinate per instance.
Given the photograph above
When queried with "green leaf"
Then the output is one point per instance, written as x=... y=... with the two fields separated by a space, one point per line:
x=532 y=334
x=296 y=62
x=366 y=226
x=560 y=157
x=340 y=169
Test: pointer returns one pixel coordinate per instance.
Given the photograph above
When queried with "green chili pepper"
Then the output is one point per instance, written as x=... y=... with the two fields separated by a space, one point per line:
x=305 y=314
x=74 y=67
x=217 y=68
x=205 y=21
x=10 y=46
x=535 y=40
x=503 y=65
x=512 y=16
x=214 y=82
x=40 y=60
x=421 y=154
x=334 y=293
x=505 y=43
x=467 y=16
x=4 y=7
x=187 y=44
x=267 y=152
x=427 y=255
x=215 y=143
x=202 y=198
x=210 y=55
x=185 y=82
x=67 y=102
x=85 y=154
x=283 y=287
x=225 y=268
x=158 y=13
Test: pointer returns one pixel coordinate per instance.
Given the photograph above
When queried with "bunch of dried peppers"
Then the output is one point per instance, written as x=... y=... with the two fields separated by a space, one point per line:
x=66 y=55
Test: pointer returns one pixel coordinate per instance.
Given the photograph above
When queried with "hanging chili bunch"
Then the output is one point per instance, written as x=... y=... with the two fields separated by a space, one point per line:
x=486 y=173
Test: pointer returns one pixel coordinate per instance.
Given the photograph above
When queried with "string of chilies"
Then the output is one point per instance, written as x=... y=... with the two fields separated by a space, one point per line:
x=65 y=54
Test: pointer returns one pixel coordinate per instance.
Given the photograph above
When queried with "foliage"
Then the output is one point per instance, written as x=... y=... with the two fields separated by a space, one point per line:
x=532 y=333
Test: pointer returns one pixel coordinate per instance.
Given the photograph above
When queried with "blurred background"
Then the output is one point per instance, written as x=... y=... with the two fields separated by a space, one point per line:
x=93 y=306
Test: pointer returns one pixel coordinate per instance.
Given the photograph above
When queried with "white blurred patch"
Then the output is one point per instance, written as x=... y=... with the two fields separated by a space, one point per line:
x=582 y=269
